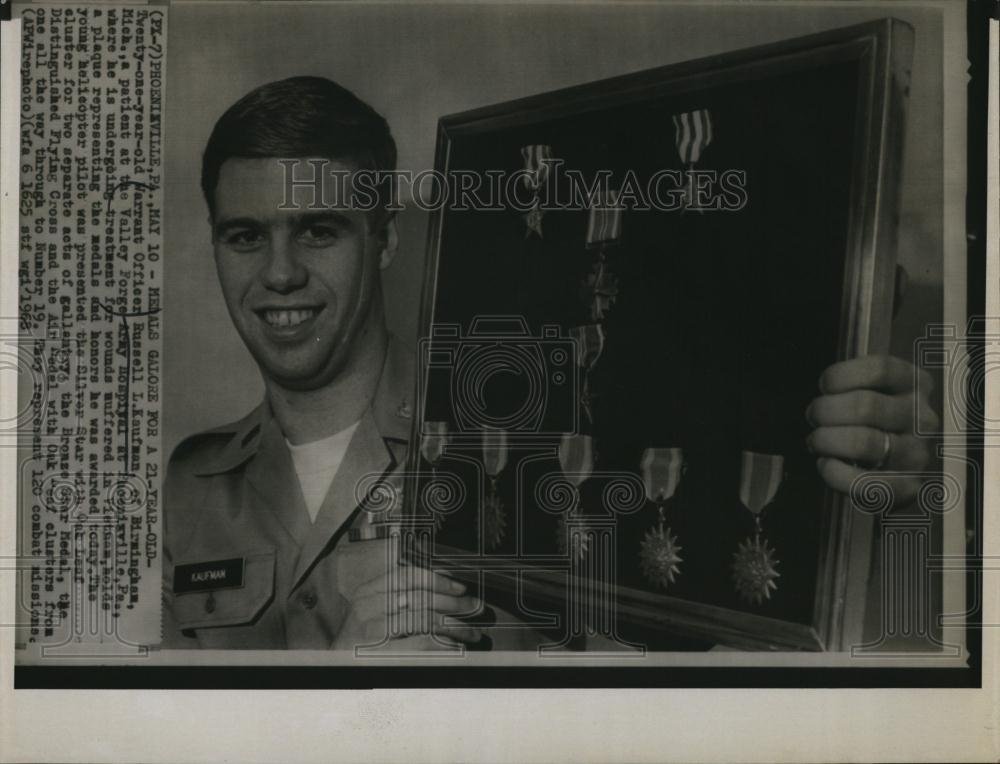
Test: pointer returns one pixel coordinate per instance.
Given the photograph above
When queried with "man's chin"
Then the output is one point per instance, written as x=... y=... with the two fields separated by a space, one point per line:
x=300 y=378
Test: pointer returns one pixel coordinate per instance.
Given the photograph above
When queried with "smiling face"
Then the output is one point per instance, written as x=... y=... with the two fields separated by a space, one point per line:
x=299 y=283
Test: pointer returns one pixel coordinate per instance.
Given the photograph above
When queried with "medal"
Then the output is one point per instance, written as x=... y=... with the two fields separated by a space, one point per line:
x=432 y=446
x=604 y=223
x=576 y=457
x=604 y=229
x=692 y=135
x=589 y=345
x=536 y=172
x=754 y=562
x=659 y=553
x=493 y=522
x=600 y=289
x=754 y=570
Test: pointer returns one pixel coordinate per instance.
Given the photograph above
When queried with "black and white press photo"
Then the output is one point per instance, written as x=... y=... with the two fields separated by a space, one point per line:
x=533 y=344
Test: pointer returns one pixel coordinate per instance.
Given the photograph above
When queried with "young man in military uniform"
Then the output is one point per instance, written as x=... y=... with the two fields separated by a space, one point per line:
x=260 y=513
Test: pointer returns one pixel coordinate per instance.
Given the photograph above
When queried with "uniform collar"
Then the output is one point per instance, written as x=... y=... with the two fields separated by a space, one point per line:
x=392 y=411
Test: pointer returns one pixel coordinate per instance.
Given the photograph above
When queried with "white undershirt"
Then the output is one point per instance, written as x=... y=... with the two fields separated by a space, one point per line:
x=316 y=465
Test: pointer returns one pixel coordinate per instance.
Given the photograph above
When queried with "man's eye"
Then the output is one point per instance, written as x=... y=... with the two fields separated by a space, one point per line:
x=244 y=240
x=319 y=235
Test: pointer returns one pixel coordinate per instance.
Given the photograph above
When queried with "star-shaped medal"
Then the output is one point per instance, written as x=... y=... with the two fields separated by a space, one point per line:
x=659 y=558
x=754 y=570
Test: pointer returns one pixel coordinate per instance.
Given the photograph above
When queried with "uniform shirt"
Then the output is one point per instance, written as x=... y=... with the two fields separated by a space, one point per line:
x=232 y=494
x=233 y=503
x=316 y=465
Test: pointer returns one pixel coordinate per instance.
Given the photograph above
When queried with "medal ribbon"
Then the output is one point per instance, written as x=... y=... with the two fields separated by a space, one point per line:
x=692 y=134
x=576 y=457
x=589 y=344
x=434 y=441
x=535 y=163
x=760 y=478
x=602 y=290
x=605 y=222
x=536 y=173
x=494 y=451
x=661 y=472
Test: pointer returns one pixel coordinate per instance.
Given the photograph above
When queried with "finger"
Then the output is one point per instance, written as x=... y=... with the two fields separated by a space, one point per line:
x=419 y=599
x=424 y=643
x=427 y=622
x=837 y=474
x=846 y=478
x=382 y=604
x=460 y=631
x=927 y=418
x=411 y=577
x=909 y=453
x=885 y=373
x=863 y=407
x=861 y=445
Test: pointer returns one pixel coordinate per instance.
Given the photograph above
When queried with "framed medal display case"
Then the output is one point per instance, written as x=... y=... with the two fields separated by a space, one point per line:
x=623 y=326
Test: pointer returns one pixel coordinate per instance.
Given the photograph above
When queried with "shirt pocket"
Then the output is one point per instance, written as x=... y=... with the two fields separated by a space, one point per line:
x=233 y=606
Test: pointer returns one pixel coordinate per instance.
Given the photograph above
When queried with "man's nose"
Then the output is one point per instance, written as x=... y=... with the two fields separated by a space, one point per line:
x=283 y=272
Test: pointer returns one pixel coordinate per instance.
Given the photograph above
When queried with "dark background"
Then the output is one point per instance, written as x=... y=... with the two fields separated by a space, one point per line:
x=723 y=323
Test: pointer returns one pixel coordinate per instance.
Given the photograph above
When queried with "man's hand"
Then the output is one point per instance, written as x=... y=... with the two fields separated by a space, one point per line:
x=865 y=419
x=411 y=604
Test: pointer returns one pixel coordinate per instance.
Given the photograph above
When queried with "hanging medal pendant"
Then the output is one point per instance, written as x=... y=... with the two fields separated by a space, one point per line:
x=494 y=522
x=659 y=554
x=577 y=454
x=755 y=568
x=754 y=563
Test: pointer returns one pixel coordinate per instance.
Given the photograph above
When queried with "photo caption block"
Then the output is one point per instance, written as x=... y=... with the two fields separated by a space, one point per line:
x=88 y=331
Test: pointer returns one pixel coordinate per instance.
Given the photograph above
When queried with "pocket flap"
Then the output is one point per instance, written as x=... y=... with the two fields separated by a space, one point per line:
x=207 y=607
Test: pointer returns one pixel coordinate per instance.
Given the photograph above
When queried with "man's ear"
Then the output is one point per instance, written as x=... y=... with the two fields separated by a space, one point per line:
x=390 y=242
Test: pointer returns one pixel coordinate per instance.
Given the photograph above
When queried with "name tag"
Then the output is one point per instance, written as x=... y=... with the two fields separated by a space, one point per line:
x=202 y=576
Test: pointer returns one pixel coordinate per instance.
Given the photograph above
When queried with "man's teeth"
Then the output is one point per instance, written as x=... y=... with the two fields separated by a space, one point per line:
x=288 y=317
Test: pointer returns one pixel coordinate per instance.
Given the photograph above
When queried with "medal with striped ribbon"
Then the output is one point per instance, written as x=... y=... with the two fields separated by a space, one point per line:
x=536 y=172
x=576 y=457
x=590 y=344
x=604 y=228
x=692 y=135
x=659 y=553
x=754 y=563
x=493 y=523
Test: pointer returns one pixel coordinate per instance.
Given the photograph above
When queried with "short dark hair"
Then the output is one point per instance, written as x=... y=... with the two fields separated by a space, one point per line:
x=298 y=117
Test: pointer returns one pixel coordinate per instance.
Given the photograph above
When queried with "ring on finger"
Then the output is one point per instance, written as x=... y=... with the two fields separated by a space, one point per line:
x=886 y=451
